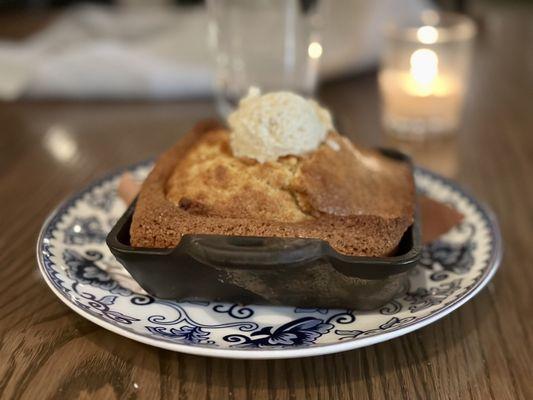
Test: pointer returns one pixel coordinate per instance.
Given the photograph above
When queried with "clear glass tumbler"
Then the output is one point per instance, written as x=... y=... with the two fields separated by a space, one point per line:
x=270 y=44
x=424 y=74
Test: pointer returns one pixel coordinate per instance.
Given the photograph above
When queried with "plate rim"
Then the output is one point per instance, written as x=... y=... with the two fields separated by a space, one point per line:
x=493 y=264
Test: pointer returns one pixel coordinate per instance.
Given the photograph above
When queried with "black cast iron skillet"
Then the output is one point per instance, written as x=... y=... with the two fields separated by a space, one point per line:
x=267 y=270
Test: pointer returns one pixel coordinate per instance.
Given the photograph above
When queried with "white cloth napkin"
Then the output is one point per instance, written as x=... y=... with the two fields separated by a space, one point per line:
x=93 y=51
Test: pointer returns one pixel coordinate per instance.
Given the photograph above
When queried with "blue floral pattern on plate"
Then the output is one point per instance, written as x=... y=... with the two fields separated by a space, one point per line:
x=76 y=263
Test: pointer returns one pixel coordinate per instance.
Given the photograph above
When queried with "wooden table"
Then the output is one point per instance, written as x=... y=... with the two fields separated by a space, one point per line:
x=482 y=351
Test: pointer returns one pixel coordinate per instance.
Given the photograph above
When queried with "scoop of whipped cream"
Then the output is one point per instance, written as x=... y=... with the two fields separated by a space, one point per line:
x=266 y=127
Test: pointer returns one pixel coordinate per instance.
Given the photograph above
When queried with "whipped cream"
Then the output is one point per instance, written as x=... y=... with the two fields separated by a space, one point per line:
x=266 y=127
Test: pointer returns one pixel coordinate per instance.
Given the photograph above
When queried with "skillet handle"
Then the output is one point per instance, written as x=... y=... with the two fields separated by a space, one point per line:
x=246 y=252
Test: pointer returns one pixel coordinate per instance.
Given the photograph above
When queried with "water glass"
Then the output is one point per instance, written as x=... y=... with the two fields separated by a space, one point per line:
x=270 y=44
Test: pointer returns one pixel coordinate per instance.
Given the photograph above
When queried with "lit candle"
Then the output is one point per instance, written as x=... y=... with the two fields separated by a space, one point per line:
x=422 y=90
x=422 y=98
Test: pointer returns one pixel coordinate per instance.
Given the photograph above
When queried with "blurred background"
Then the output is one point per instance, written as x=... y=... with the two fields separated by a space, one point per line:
x=159 y=49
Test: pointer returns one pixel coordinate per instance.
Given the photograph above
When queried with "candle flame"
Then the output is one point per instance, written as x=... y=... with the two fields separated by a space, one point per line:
x=424 y=70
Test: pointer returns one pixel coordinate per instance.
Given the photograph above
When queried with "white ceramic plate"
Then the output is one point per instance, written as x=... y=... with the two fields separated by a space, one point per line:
x=79 y=268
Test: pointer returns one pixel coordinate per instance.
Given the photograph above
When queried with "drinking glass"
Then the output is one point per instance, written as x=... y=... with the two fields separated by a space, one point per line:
x=269 y=44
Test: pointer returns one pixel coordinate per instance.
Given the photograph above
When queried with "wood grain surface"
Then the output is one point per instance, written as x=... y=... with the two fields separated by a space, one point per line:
x=481 y=351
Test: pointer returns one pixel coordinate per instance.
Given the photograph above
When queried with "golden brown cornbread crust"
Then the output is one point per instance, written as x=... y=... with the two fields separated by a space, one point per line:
x=357 y=200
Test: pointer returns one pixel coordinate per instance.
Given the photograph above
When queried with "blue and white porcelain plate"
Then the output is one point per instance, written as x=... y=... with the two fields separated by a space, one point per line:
x=79 y=268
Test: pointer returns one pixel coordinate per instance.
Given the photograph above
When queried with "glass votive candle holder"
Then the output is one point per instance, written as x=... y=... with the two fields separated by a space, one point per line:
x=424 y=74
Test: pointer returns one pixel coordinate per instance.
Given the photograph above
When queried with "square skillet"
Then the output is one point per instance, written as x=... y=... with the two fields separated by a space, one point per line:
x=267 y=270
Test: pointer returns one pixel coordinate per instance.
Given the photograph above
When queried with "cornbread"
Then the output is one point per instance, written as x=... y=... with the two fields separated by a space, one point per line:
x=359 y=201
